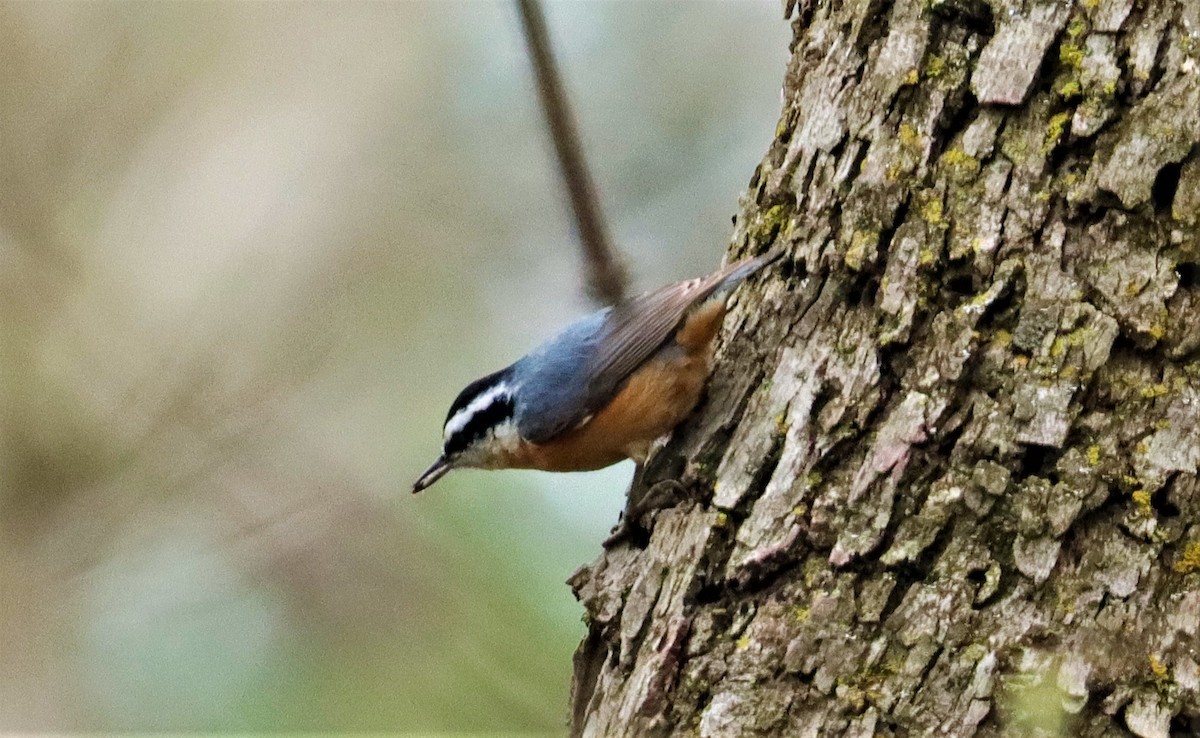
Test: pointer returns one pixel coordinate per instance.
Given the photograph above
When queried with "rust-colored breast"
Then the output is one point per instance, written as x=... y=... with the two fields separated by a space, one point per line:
x=701 y=326
x=655 y=398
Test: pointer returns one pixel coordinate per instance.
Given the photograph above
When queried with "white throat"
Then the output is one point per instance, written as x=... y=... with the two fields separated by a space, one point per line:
x=495 y=450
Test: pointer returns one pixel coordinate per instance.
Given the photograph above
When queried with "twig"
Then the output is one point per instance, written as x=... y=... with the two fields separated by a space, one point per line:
x=606 y=275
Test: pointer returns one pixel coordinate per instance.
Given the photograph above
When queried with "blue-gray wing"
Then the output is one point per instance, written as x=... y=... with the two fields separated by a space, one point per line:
x=578 y=372
x=639 y=327
x=554 y=394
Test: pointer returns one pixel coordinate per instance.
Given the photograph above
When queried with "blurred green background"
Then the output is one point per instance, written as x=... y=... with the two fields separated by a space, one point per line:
x=248 y=255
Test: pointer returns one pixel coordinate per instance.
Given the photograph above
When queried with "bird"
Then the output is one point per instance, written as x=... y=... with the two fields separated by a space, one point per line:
x=601 y=391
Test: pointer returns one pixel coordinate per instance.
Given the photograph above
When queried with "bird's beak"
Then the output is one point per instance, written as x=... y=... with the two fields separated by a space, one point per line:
x=432 y=474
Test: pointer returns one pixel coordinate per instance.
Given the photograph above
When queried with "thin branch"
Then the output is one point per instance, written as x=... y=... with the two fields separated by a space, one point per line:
x=606 y=275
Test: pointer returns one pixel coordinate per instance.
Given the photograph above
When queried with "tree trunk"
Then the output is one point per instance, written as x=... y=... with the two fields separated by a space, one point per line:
x=945 y=480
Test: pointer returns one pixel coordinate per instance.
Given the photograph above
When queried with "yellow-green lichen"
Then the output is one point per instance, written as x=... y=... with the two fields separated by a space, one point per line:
x=1157 y=667
x=1058 y=347
x=1078 y=337
x=1071 y=55
x=1187 y=43
x=1154 y=390
x=856 y=254
x=1141 y=498
x=979 y=300
x=1068 y=88
x=931 y=211
x=1188 y=560
x=936 y=67
x=1054 y=131
x=960 y=165
x=1015 y=149
x=1093 y=455
x=772 y=222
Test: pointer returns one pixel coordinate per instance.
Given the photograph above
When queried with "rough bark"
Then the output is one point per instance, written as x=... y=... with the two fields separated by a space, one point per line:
x=945 y=480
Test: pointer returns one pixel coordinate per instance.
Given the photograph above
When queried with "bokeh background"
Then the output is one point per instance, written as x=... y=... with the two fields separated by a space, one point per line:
x=248 y=255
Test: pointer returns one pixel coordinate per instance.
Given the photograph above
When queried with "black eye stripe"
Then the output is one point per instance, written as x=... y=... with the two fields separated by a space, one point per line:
x=477 y=426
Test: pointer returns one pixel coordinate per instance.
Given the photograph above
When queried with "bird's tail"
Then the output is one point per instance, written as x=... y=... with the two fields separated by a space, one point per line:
x=732 y=275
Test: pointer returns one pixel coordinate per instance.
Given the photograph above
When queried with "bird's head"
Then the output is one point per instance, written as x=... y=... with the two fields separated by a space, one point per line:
x=480 y=431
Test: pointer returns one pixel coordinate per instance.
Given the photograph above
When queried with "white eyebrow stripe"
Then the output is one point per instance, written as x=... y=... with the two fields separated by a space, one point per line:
x=462 y=417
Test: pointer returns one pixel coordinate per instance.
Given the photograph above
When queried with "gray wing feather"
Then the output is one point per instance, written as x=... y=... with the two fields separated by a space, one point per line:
x=579 y=371
x=641 y=326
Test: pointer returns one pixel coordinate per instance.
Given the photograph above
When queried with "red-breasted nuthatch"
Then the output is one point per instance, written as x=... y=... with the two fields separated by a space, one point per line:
x=601 y=391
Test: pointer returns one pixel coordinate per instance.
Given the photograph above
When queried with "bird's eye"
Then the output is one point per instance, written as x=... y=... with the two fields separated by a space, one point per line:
x=455 y=444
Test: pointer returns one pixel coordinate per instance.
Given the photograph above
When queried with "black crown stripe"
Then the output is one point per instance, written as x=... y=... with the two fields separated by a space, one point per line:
x=474 y=390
